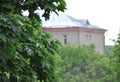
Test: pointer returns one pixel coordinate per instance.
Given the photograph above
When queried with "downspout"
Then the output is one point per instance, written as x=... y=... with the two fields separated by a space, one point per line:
x=104 y=42
x=78 y=33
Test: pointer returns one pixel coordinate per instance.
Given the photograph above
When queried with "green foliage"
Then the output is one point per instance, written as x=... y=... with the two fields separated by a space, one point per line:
x=117 y=56
x=117 y=47
x=17 y=6
x=83 y=64
x=109 y=50
x=26 y=53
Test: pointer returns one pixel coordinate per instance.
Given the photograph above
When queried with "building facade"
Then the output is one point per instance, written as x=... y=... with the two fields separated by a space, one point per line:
x=69 y=30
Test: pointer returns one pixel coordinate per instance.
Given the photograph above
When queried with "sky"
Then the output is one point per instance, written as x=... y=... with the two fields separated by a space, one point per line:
x=103 y=13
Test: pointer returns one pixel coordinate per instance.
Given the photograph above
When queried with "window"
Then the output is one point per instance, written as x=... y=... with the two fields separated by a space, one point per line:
x=65 y=38
x=88 y=37
x=65 y=41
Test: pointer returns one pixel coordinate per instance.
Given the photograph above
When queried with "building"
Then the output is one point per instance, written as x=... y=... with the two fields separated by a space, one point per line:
x=69 y=30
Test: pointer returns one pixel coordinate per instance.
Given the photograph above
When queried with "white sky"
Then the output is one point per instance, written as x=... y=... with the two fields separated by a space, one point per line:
x=103 y=13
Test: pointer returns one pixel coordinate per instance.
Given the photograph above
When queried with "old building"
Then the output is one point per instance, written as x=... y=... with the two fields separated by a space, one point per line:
x=69 y=30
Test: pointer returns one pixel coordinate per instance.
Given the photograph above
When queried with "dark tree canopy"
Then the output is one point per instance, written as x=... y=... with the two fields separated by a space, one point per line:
x=26 y=53
x=17 y=6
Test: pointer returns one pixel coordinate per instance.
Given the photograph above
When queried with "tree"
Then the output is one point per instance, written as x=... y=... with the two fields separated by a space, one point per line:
x=109 y=50
x=117 y=57
x=18 y=6
x=26 y=53
x=83 y=64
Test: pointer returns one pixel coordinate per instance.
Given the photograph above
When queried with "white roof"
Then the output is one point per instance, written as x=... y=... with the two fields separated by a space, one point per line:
x=63 y=20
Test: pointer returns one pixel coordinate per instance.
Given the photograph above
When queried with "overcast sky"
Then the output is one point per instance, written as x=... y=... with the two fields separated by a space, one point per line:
x=103 y=13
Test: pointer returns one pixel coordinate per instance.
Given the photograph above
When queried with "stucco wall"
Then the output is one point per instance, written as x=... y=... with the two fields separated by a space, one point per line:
x=79 y=36
x=71 y=37
x=95 y=39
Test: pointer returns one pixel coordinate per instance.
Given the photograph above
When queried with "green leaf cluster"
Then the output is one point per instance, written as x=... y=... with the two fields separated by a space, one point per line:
x=117 y=56
x=109 y=50
x=27 y=53
x=83 y=64
x=18 y=6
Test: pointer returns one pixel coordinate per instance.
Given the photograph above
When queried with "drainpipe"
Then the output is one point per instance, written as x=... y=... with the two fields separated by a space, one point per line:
x=78 y=33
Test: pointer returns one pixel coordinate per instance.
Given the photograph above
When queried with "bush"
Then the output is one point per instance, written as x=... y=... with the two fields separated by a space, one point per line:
x=83 y=64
